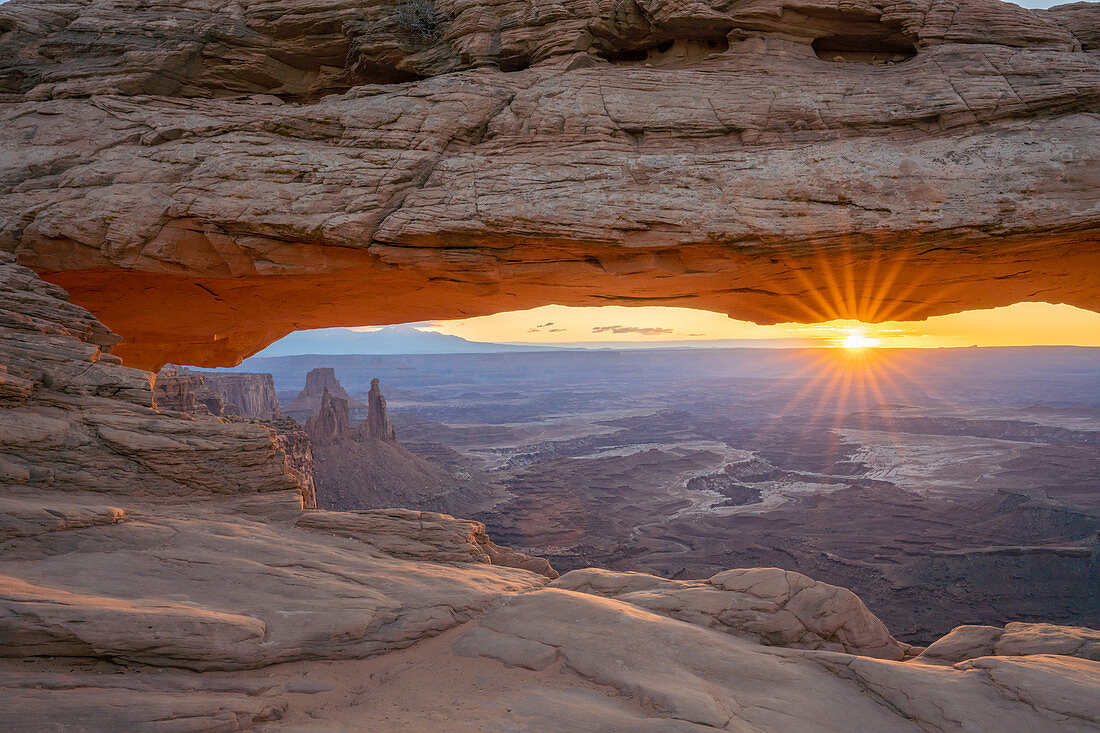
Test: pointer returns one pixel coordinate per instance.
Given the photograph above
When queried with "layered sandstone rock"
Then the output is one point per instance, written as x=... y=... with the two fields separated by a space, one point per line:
x=178 y=390
x=1014 y=640
x=330 y=164
x=182 y=390
x=294 y=442
x=248 y=396
x=768 y=605
x=366 y=468
x=253 y=395
x=74 y=421
x=420 y=535
x=310 y=400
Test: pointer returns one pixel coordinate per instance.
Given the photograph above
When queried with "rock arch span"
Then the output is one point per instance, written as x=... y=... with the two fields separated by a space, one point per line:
x=203 y=198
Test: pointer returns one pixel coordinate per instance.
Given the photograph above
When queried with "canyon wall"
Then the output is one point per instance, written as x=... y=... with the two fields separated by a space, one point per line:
x=347 y=163
x=252 y=394
x=75 y=422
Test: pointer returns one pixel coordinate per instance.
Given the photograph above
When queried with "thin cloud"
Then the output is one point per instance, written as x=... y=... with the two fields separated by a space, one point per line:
x=618 y=330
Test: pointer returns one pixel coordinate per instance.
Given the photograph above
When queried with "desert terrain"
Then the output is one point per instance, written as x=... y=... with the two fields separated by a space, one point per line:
x=942 y=486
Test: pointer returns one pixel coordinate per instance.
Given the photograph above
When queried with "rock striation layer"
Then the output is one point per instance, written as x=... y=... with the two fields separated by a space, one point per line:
x=183 y=390
x=420 y=535
x=252 y=394
x=348 y=163
x=310 y=400
x=74 y=421
x=364 y=467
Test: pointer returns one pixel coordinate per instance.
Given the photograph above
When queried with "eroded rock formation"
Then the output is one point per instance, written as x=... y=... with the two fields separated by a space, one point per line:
x=253 y=395
x=330 y=424
x=1014 y=640
x=364 y=467
x=182 y=390
x=294 y=442
x=346 y=163
x=310 y=400
x=74 y=421
x=417 y=535
x=768 y=605
x=377 y=426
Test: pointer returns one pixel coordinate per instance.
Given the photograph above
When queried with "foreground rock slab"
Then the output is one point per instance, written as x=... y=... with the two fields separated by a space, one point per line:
x=699 y=677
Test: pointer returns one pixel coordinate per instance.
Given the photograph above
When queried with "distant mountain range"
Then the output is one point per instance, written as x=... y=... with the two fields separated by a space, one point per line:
x=383 y=341
x=405 y=339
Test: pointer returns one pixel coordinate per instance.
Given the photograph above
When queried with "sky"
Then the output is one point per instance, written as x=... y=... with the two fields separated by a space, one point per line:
x=1041 y=3
x=1022 y=324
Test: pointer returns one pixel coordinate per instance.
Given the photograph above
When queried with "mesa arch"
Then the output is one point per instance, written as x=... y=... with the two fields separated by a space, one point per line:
x=208 y=177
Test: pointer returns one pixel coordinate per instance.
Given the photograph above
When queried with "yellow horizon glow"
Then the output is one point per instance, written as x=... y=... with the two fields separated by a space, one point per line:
x=1022 y=324
x=857 y=338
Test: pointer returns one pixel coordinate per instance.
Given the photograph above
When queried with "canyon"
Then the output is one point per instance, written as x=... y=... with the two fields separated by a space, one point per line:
x=959 y=487
x=182 y=183
x=365 y=467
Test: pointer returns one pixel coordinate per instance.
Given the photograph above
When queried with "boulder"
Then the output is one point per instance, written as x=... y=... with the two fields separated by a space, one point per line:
x=768 y=605
x=1014 y=640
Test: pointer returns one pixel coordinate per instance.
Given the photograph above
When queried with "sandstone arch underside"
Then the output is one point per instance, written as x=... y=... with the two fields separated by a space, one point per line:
x=206 y=177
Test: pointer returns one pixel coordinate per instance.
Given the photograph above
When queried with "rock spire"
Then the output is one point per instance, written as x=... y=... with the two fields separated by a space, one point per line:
x=330 y=424
x=377 y=426
x=308 y=401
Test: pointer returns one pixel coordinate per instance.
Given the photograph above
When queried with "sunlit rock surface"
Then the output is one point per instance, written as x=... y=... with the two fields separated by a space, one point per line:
x=767 y=605
x=1014 y=640
x=207 y=177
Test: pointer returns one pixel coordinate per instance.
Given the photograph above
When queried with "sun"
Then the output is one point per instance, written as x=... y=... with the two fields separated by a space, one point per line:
x=857 y=339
